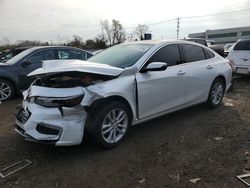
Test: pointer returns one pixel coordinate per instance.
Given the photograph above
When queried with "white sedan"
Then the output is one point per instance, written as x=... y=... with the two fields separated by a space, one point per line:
x=239 y=56
x=122 y=86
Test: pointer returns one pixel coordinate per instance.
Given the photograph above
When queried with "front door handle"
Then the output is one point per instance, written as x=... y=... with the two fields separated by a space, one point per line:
x=181 y=73
x=210 y=67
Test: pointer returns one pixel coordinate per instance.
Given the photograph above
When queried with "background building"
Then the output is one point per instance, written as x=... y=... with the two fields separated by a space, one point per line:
x=222 y=36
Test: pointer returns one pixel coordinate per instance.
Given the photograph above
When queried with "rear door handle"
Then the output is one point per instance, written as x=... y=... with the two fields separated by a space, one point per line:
x=210 y=67
x=245 y=59
x=181 y=73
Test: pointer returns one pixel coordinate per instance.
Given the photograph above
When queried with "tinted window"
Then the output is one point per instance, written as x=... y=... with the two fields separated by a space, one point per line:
x=42 y=55
x=242 y=45
x=70 y=54
x=169 y=54
x=9 y=55
x=18 y=51
x=208 y=53
x=81 y=55
x=20 y=56
x=193 y=53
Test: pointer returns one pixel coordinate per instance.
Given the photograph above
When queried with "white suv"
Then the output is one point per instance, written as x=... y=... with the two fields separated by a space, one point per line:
x=239 y=56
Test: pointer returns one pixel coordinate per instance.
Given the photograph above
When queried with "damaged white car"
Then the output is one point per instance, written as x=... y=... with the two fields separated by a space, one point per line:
x=122 y=86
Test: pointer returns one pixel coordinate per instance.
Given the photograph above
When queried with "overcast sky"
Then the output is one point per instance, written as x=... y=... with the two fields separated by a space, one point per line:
x=48 y=20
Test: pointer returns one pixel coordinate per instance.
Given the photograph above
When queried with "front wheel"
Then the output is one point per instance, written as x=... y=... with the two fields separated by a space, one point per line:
x=110 y=124
x=216 y=93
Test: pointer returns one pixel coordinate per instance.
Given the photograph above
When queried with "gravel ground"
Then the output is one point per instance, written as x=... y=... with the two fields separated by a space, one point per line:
x=210 y=144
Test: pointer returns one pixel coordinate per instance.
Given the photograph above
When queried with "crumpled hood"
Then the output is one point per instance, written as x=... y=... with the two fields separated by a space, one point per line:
x=55 y=66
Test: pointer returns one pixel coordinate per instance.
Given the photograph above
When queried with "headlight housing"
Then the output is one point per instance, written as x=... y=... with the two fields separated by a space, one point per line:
x=59 y=101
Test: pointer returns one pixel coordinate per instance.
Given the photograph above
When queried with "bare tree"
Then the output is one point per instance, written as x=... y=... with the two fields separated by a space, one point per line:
x=30 y=43
x=76 y=42
x=118 y=32
x=115 y=31
x=140 y=30
x=107 y=28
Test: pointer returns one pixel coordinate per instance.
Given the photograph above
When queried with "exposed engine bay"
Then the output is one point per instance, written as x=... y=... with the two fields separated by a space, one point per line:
x=70 y=79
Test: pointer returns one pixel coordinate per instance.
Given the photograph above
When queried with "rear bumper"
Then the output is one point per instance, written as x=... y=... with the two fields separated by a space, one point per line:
x=47 y=125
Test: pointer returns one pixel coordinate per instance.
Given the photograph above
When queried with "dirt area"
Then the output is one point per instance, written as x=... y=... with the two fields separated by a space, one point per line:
x=211 y=144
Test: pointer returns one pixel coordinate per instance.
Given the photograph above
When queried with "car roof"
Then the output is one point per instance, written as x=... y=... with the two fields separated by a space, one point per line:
x=161 y=42
x=165 y=42
x=47 y=47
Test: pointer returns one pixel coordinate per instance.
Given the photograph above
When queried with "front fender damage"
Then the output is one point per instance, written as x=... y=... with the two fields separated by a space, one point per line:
x=71 y=120
x=90 y=96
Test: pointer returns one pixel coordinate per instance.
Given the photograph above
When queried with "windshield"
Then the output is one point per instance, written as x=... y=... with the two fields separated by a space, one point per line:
x=121 y=56
x=19 y=56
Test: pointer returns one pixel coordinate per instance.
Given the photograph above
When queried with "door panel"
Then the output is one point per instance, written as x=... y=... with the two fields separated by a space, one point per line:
x=160 y=91
x=199 y=77
x=199 y=72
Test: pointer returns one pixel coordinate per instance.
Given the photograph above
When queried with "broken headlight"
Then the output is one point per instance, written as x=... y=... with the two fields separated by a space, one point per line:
x=59 y=101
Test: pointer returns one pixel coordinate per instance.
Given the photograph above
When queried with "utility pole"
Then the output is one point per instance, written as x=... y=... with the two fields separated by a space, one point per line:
x=178 y=27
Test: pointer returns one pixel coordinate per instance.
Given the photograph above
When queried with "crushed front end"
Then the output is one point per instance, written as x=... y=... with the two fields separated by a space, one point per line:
x=53 y=108
x=43 y=119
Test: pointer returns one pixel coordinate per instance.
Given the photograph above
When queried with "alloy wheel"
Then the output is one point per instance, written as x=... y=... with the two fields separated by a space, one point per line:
x=217 y=93
x=114 y=125
x=5 y=91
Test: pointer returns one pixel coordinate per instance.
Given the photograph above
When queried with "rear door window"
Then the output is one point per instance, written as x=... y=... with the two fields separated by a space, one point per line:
x=242 y=45
x=169 y=54
x=81 y=55
x=193 y=53
x=42 y=55
x=70 y=54
x=208 y=54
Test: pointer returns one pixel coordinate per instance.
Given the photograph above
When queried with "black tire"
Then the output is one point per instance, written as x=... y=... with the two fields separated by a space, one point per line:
x=211 y=101
x=96 y=119
x=3 y=85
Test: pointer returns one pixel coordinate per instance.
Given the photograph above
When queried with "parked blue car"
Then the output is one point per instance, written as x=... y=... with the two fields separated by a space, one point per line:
x=13 y=73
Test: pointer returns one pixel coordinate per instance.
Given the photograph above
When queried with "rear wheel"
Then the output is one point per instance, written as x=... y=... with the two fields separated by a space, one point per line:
x=6 y=90
x=216 y=93
x=110 y=125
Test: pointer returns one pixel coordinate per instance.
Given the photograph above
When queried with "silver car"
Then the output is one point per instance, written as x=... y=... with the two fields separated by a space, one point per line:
x=122 y=86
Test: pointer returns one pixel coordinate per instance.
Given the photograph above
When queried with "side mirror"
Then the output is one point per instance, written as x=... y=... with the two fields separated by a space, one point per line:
x=26 y=63
x=156 y=66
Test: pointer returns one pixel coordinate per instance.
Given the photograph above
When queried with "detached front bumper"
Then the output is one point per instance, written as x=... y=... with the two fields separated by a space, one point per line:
x=47 y=125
